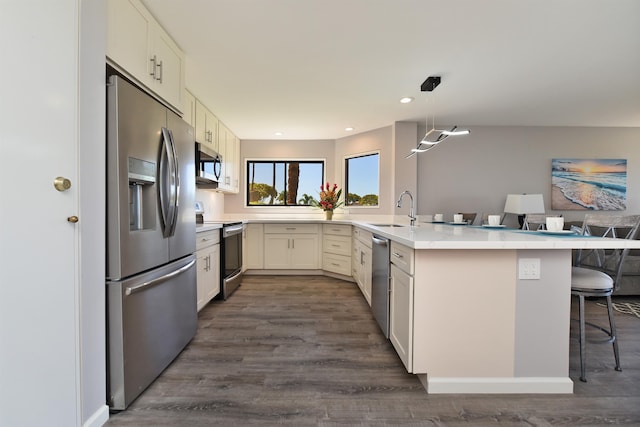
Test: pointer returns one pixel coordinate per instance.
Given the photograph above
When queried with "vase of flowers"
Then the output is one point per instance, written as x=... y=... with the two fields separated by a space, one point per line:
x=329 y=199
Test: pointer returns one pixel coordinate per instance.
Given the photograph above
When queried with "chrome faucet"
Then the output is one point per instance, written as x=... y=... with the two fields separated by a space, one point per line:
x=412 y=215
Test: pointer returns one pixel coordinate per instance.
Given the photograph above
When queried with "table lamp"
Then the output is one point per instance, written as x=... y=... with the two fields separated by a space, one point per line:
x=522 y=204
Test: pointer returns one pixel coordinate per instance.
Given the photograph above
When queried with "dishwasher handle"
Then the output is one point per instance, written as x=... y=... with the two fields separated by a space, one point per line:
x=379 y=241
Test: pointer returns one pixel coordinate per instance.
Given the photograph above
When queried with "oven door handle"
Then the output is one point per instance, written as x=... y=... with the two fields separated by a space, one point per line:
x=230 y=279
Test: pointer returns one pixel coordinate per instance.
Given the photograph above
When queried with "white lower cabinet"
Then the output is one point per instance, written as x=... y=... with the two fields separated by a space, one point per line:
x=208 y=266
x=401 y=315
x=288 y=246
x=401 y=302
x=253 y=247
x=361 y=261
x=336 y=248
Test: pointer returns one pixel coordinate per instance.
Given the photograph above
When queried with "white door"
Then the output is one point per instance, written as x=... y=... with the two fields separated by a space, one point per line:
x=40 y=309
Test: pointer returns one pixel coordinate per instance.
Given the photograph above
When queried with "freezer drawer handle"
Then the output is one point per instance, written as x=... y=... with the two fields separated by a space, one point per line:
x=158 y=280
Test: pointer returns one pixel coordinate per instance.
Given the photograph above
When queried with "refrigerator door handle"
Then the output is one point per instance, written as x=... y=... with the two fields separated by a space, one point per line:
x=142 y=286
x=167 y=184
x=176 y=184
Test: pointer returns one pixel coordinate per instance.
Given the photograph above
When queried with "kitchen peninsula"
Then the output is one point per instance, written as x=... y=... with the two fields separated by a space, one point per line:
x=465 y=315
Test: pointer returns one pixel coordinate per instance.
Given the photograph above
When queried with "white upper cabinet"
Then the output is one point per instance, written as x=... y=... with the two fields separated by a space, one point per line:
x=229 y=149
x=138 y=46
x=206 y=124
x=189 y=111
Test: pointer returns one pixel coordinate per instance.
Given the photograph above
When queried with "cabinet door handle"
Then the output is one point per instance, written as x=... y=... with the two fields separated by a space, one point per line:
x=159 y=66
x=293 y=243
x=153 y=67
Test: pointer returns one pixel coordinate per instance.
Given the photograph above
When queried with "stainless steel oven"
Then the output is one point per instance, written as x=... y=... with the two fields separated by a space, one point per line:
x=230 y=258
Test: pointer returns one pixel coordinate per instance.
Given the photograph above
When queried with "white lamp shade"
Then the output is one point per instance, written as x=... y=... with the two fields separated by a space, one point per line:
x=522 y=204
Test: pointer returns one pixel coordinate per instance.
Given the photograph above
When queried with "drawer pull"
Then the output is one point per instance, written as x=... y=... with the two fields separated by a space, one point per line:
x=397 y=255
x=337 y=265
x=290 y=228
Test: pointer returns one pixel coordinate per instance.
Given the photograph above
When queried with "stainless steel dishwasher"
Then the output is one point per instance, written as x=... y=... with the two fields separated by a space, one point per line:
x=380 y=282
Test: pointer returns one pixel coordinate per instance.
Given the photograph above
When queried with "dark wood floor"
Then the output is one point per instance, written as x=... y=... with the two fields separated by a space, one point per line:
x=305 y=351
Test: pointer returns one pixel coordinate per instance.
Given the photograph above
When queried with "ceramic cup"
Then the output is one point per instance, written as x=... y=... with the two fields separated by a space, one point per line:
x=555 y=223
x=458 y=218
x=494 y=220
x=438 y=217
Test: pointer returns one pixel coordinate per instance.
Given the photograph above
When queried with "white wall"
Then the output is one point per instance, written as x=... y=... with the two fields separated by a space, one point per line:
x=405 y=170
x=474 y=173
x=235 y=204
x=52 y=302
x=380 y=140
x=92 y=165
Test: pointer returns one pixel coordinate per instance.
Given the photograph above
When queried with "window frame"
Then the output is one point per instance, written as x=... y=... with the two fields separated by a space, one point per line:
x=285 y=161
x=346 y=178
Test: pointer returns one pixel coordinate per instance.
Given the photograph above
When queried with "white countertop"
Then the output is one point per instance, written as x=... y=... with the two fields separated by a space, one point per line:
x=207 y=227
x=446 y=236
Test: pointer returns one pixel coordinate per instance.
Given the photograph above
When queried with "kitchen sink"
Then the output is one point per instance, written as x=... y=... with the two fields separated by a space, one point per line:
x=389 y=225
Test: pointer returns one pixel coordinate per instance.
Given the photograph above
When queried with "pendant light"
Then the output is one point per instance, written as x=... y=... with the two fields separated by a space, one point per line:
x=434 y=136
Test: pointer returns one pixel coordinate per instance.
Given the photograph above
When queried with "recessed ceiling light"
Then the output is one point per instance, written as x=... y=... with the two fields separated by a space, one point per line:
x=348 y=129
x=406 y=100
x=278 y=133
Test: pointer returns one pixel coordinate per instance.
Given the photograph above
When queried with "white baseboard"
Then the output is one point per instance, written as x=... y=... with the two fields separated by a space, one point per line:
x=99 y=418
x=511 y=385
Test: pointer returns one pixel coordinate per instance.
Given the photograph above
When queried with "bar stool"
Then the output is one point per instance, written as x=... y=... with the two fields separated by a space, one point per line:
x=599 y=278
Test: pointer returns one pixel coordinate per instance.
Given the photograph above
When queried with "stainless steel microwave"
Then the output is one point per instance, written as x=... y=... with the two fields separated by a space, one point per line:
x=208 y=166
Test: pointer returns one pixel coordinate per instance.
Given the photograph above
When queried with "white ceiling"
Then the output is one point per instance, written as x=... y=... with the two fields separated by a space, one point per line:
x=310 y=68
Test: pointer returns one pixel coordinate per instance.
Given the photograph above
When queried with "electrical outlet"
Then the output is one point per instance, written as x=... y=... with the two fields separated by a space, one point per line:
x=529 y=268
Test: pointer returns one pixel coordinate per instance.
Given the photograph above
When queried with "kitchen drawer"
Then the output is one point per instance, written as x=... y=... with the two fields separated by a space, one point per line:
x=207 y=238
x=336 y=229
x=290 y=228
x=402 y=257
x=336 y=263
x=340 y=245
x=363 y=235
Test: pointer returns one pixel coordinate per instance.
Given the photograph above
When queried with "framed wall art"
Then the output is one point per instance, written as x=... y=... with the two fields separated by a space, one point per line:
x=589 y=184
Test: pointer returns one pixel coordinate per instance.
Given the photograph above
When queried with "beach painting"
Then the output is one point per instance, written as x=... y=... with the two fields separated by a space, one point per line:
x=589 y=184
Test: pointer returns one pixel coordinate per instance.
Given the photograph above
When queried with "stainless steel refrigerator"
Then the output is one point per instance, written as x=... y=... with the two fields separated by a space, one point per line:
x=151 y=274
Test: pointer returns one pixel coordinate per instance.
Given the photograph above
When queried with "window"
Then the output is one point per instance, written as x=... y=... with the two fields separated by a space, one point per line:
x=283 y=182
x=362 y=176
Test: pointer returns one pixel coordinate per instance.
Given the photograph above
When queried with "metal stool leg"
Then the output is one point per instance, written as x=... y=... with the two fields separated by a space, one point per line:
x=614 y=336
x=583 y=376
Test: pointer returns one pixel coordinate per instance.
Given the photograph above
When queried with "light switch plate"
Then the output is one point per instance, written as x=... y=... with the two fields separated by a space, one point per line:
x=529 y=268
